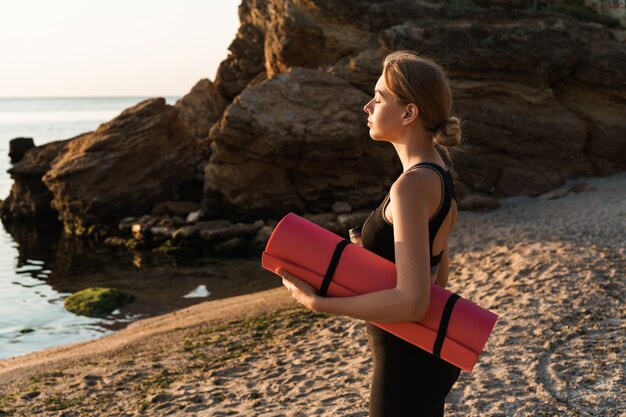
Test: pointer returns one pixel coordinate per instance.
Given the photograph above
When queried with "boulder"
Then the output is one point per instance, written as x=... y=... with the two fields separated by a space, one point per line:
x=96 y=302
x=561 y=70
x=246 y=59
x=311 y=35
x=201 y=108
x=143 y=156
x=18 y=147
x=361 y=69
x=505 y=155
x=29 y=197
x=572 y=109
x=296 y=142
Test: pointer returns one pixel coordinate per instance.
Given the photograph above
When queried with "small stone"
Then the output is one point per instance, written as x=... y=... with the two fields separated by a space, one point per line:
x=580 y=187
x=162 y=231
x=332 y=227
x=195 y=216
x=178 y=221
x=92 y=380
x=126 y=223
x=260 y=239
x=354 y=219
x=166 y=222
x=474 y=202
x=159 y=398
x=186 y=232
x=231 y=247
x=31 y=395
x=236 y=230
x=341 y=207
x=321 y=218
x=214 y=224
x=552 y=194
x=264 y=233
x=115 y=241
x=180 y=208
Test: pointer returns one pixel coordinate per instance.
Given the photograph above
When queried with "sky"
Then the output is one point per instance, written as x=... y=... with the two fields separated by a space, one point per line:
x=74 y=48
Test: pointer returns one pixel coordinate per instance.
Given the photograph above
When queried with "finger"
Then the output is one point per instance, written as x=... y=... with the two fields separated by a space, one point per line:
x=290 y=278
x=287 y=284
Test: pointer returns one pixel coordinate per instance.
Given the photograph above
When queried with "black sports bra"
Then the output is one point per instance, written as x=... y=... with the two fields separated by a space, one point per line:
x=377 y=232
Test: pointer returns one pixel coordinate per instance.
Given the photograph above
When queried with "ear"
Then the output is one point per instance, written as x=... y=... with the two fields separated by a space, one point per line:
x=410 y=113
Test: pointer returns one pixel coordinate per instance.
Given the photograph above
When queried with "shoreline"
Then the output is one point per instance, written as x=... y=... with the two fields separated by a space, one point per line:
x=143 y=333
x=552 y=268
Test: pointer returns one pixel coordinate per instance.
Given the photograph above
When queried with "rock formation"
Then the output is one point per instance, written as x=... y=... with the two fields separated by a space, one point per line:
x=201 y=108
x=18 y=147
x=541 y=92
x=143 y=156
x=309 y=148
x=30 y=198
x=542 y=96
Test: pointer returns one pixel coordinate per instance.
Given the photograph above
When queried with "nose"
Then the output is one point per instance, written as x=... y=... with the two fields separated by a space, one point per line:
x=366 y=107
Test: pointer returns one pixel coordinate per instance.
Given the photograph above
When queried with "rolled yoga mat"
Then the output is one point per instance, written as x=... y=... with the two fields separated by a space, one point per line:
x=453 y=328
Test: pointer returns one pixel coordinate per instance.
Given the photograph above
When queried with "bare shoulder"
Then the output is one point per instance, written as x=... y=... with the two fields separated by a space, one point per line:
x=416 y=188
x=415 y=180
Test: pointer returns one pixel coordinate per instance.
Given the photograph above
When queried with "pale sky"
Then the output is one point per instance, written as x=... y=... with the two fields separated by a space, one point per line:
x=67 y=48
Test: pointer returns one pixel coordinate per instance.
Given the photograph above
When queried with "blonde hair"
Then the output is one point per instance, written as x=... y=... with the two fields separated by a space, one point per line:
x=411 y=78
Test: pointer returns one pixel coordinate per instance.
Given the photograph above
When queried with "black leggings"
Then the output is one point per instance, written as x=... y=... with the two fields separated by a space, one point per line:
x=407 y=381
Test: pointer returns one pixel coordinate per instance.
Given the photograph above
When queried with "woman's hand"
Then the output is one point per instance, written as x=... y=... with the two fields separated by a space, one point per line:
x=302 y=292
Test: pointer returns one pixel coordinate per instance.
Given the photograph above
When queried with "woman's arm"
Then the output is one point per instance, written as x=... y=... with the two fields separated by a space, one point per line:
x=411 y=200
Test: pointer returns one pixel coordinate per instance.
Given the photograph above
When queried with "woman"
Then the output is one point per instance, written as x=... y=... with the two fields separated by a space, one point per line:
x=410 y=109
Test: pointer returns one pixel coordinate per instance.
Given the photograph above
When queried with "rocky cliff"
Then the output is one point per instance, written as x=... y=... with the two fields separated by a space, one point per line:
x=542 y=94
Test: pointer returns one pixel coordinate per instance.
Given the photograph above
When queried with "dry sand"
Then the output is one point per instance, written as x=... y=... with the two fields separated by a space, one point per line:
x=553 y=269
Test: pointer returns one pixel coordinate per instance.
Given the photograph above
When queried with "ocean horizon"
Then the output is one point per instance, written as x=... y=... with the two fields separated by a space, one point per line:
x=48 y=119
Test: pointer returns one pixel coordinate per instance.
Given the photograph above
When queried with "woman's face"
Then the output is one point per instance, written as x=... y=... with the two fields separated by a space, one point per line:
x=385 y=114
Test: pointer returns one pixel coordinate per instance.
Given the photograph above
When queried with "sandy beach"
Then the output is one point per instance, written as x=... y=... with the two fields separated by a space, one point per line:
x=552 y=267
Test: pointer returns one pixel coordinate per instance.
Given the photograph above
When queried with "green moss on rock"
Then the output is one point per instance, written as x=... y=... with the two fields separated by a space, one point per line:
x=96 y=302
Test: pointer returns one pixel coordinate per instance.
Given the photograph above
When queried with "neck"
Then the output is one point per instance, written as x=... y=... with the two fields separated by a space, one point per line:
x=415 y=146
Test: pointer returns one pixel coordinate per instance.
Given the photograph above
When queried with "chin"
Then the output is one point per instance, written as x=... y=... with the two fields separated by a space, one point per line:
x=377 y=138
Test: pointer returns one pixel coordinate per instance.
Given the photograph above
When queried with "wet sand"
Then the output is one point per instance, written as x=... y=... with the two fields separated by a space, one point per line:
x=552 y=268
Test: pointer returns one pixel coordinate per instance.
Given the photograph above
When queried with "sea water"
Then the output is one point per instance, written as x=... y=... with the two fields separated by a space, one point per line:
x=32 y=315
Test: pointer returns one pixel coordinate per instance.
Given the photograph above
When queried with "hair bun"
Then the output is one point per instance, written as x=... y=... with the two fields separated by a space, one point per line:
x=449 y=133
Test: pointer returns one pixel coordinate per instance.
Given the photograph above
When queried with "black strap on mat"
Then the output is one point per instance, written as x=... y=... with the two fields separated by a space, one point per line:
x=443 y=324
x=334 y=261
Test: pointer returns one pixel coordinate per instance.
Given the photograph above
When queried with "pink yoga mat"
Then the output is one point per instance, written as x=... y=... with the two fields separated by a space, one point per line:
x=306 y=250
